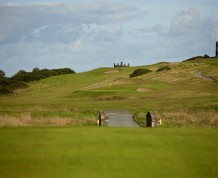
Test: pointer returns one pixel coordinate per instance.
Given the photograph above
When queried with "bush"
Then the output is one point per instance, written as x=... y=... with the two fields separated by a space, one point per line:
x=193 y=58
x=7 y=85
x=2 y=73
x=197 y=57
x=38 y=74
x=36 y=69
x=206 y=56
x=163 y=68
x=139 y=72
x=64 y=71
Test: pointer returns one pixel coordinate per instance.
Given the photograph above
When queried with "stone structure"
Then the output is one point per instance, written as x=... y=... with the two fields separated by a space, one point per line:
x=103 y=118
x=153 y=119
x=217 y=49
x=121 y=65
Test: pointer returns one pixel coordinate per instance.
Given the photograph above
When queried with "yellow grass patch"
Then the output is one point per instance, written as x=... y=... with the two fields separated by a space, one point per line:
x=143 y=90
x=185 y=118
x=111 y=71
x=105 y=83
x=26 y=120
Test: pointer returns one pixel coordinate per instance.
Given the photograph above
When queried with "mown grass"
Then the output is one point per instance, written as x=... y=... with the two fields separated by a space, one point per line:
x=174 y=91
x=108 y=152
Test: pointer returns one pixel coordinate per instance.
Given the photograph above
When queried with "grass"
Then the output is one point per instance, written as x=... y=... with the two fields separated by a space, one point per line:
x=108 y=152
x=184 y=118
x=82 y=95
x=42 y=132
x=27 y=120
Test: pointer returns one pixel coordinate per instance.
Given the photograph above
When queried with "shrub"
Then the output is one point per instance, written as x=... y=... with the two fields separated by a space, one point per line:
x=139 y=72
x=38 y=74
x=163 y=68
x=36 y=69
x=197 y=57
x=193 y=58
x=206 y=56
x=7 y=85
x=64 y=71
x=2 y=73
x=21 y=72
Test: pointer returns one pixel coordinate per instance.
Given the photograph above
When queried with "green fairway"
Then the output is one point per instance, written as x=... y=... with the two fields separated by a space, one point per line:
x=108 y=152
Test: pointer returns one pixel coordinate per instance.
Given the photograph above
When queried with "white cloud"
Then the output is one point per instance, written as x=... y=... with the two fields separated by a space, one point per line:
x=77 y=47
x=188 y=34
x=53 y=19
x=88 y=34
x=186 y=22
x=36 y=32
x=106 y=32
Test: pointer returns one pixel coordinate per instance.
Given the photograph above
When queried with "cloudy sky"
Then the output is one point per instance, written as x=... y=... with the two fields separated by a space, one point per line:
x=86 y=34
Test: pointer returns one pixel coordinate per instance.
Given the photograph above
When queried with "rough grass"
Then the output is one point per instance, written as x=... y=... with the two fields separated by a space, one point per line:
x=27 y=120
x=108 y=152
x=183 y=118
x=190 y=118
x=46 y=117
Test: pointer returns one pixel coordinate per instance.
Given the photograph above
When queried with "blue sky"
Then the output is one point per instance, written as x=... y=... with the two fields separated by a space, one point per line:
x=86 y=34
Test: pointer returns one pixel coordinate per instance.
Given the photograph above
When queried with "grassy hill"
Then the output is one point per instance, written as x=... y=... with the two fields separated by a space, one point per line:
x=181 y=96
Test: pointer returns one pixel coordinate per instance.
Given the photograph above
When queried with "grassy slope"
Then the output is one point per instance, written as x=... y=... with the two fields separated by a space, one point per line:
x=108 y=152
x=80 y=96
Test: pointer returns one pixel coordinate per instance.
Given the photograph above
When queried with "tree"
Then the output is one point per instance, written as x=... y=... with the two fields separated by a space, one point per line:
x=21 y=72
x=36 y=69
x=206 y=56
x=2 y=73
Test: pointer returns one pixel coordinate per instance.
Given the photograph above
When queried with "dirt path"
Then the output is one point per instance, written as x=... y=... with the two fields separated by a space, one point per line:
x=121 y=119
x=199 y=74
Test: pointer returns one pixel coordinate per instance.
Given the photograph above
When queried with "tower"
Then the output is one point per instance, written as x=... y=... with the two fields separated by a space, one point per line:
x=217 y=49
x=121 y=64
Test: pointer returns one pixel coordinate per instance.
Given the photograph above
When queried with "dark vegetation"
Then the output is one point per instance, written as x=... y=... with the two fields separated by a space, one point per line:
x=163 y=68
x=20 y=79
x=38 y=74
x=2 y=73
x=197 y=57
x=8 y=85
x=139 y=72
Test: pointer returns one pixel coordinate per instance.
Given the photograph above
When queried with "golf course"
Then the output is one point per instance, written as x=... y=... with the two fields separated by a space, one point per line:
x=48 y=129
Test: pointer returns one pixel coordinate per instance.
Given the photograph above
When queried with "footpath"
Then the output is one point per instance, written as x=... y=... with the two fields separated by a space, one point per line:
x=118 y=118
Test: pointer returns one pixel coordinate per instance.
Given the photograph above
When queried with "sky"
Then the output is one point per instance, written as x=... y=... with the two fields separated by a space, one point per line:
x=87 y=34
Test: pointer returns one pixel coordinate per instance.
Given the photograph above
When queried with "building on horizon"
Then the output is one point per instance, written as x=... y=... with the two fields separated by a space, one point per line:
x=121 y=64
